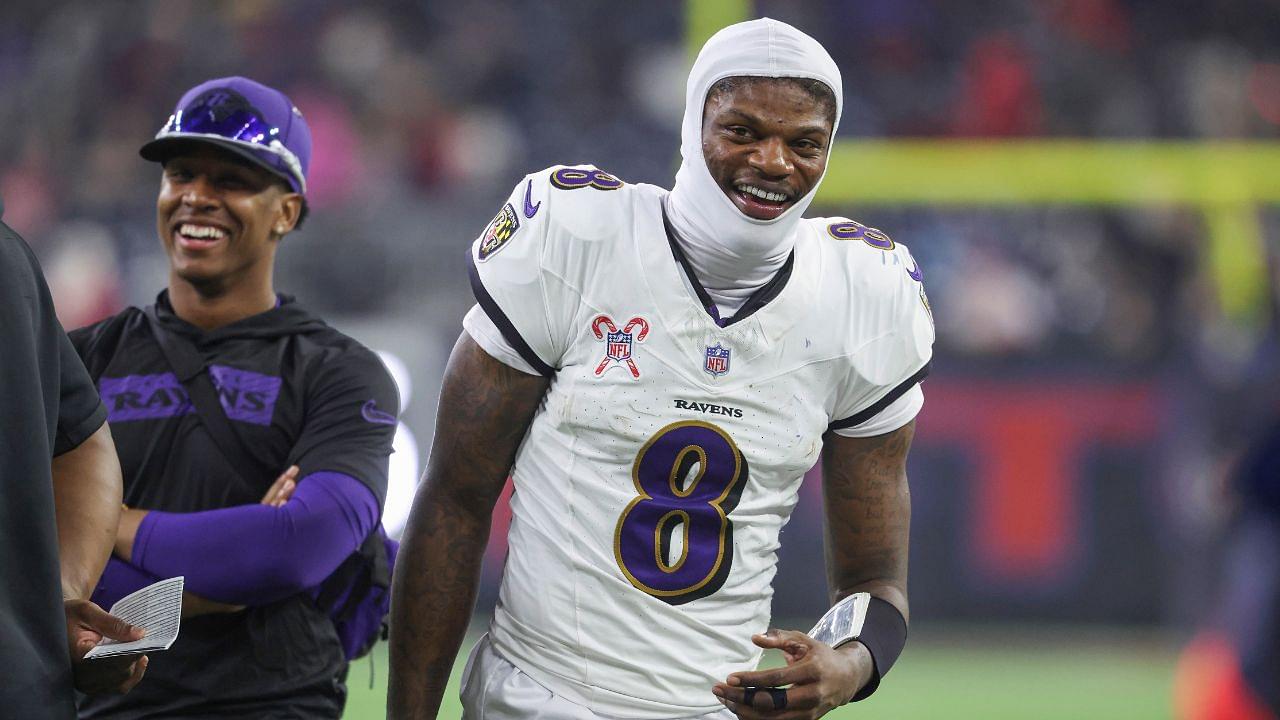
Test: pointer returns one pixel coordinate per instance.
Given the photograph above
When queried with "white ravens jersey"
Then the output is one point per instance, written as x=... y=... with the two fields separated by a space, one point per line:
x=670 y=448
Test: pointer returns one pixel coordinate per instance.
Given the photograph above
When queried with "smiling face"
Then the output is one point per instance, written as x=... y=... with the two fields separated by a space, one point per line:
x=765 y=141
x=219 y=218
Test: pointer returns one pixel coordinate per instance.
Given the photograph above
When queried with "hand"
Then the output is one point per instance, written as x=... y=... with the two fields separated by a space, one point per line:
x=282 y=489
x=820 y=677
x=87 y=624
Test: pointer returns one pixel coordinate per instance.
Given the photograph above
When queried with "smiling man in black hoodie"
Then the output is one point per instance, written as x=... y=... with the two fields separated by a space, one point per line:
x=214 y=391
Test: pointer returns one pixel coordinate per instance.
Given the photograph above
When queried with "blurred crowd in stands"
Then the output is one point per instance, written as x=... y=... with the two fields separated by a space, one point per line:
x=425 y=114
x=422 y=113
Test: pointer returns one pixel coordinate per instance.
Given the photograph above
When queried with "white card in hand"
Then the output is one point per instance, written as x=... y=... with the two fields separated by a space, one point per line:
x=156 y=608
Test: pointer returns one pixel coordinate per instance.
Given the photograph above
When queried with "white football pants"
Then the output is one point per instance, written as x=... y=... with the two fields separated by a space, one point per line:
x=494 y=689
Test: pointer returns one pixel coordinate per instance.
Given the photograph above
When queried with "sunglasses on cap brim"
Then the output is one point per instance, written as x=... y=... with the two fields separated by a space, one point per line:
x=210 y=118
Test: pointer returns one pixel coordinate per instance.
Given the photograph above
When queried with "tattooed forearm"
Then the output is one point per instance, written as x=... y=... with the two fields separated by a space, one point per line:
x=868 y=514
x=485 y=409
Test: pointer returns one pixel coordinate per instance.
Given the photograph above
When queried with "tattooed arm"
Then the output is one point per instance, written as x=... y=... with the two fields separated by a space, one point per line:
x=868 y=515
x=485 y=409
x=868 y=519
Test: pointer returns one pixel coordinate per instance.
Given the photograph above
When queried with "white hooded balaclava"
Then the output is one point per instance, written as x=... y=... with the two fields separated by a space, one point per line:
x=732 y=254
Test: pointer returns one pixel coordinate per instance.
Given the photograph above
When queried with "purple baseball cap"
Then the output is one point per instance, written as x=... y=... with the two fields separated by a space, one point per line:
x=248 y=118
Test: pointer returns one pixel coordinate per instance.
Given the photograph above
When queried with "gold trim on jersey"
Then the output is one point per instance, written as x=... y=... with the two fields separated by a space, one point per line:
x=665 y=526
x=737 y=478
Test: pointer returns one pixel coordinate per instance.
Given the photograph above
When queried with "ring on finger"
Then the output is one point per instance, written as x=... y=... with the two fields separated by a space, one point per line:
x=777 y=695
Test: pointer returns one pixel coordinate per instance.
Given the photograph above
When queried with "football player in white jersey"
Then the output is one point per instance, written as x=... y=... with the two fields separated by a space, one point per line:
x=656 y=371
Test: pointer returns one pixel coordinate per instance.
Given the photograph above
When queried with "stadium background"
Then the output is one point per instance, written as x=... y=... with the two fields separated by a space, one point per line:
x=1091 y=187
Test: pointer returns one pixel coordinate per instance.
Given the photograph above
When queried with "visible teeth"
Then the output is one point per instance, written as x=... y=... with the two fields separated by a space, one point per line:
x=200 y=231
x=762 y=194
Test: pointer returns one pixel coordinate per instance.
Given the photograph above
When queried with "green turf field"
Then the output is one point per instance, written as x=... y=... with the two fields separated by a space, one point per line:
x=959 y=675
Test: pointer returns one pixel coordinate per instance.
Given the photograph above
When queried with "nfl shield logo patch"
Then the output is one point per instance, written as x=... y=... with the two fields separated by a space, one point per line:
x=619 y=346
x=717 y=360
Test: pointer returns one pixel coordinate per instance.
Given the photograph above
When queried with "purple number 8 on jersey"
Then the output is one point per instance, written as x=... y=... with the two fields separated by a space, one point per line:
x=857 y=231
x=572 y=179
x=690 y=476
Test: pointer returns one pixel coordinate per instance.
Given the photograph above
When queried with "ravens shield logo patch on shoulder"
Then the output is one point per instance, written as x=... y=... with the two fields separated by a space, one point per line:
x=499 y=232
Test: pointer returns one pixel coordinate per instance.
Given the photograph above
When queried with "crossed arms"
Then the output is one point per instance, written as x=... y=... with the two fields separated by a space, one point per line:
x=300 y=532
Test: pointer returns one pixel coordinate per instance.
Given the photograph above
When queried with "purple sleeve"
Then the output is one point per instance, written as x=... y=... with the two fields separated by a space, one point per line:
x=119 y=579
x=256 y=554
